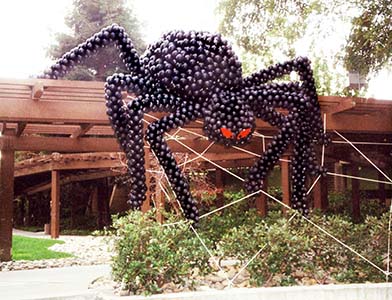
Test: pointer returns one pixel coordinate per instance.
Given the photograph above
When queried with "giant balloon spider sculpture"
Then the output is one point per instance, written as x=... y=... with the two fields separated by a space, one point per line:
x=193 y=75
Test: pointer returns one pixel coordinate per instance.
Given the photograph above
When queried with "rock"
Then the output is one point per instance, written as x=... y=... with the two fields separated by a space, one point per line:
x=123 y=293
x=232 y=272
x=219 y=286
x=299 y=273
x=244 y=284
x=214 y=278
x=229 y=262
x=169 y=287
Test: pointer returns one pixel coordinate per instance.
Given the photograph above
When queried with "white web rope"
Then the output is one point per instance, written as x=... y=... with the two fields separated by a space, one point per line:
x=389 y=244
x=364 y=156
x=201 y=155
x=359 y=178
x=387 y=272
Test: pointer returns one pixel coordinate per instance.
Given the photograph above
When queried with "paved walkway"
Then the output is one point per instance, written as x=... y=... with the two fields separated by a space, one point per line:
x=50 y=283
x=40 y=234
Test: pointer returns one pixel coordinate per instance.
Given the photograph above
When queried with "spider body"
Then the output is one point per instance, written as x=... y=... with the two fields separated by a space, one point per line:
x=196 y=75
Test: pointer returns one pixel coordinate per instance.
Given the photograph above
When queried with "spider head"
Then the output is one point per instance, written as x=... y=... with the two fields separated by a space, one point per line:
x=228 y=119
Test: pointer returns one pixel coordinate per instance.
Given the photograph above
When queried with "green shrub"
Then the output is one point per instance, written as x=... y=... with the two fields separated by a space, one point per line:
x=297 y=250
x=294 y=252
x=148 y=255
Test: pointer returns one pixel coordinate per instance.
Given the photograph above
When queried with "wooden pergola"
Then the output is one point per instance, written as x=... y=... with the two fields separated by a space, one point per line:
x=69 y=117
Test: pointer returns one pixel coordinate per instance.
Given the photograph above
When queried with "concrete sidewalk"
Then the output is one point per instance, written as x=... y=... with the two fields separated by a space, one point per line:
x=71 y=283
x=56 y=283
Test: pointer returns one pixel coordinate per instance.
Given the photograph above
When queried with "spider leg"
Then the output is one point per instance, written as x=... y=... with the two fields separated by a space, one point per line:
x=280 y=143
x=302 y=66
x=292 y=97
x=155 y=136
x=126 y=121
x=111 y=34
x=265 y=101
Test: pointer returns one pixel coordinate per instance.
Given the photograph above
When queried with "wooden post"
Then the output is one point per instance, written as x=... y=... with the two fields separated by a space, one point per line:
x=345 y=170
x=261 y=202
x=219 y=187
x=55 y=205
x=102 y=203
x=355 y=194
x=94 y=200
x=381 y=190
x=6 y=201
x=338 y=182
x=320 y=194
x=285 y=181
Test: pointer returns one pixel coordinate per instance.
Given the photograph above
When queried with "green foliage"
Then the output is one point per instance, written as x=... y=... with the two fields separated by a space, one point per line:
x=274 y=30
x=26 y=248
x=149 y=255
x=294 y=250
x=339 y=203
x=369 y=47
x=298 y=250
x=87 y=18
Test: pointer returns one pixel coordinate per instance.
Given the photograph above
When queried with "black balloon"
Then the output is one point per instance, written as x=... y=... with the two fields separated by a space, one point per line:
x=194 y=75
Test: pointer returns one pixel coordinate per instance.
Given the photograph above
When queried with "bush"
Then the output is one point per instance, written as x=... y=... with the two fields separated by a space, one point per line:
x=148 y=255
x=296 y=252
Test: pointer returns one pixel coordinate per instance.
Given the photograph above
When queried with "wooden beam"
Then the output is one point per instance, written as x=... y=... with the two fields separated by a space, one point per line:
x=70 y=165
x=59 y=144
x=21 y=127
x=67 y=112
x=81 y=130
x=64 y=144
x=343 y=105
x=55 y=205
x=88 y=164
x=7 y=158
x=360 y=123
x=285 y=181
x=37 y=90
x=30 y=170
x=69 y=179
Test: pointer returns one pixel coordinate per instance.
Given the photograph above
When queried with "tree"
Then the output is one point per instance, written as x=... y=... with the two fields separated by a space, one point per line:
x=370 y=43
x=87 y=18
x=282 y=29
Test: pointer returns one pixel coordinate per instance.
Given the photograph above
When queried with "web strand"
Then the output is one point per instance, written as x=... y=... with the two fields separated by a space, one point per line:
x=324 y=231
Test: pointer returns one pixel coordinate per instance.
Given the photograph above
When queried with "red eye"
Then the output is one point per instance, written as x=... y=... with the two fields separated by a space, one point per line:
x=244 y=133
x=227 y=133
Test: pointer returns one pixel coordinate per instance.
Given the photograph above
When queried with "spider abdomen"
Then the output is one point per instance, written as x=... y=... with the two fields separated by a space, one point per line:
x=193 y=64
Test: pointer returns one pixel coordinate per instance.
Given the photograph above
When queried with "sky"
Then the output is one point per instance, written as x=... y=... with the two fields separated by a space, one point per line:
x=28 y=27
